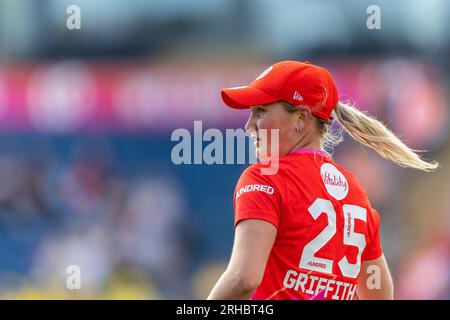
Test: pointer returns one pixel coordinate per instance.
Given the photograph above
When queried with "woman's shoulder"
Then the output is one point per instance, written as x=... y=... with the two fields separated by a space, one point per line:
x=267 y=172
x=353 y=181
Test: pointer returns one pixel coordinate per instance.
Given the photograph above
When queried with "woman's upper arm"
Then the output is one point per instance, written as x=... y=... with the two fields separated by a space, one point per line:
x=375 y=281
x=253 y=243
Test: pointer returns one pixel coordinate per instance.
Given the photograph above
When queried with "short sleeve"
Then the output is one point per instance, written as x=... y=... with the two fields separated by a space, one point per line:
x=257 y=197
x=373 y=248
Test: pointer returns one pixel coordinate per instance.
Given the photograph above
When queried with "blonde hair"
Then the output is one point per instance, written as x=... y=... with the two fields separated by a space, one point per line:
x=369 y=132
x=375 y=135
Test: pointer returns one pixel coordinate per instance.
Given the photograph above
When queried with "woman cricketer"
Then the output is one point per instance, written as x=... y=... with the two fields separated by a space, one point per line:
x=308 y=231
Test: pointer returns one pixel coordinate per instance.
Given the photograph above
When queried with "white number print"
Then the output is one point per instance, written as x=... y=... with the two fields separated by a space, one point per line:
x=351 y=212
x=352 y=238
x=309 y=260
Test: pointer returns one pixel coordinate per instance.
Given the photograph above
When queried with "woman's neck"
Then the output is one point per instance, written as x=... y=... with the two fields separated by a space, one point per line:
x=307 y=144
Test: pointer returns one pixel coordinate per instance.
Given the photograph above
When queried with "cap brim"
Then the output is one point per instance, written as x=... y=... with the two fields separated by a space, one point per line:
x=245 y=97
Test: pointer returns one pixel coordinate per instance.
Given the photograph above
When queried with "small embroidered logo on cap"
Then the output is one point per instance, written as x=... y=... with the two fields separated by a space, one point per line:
x=297 y=96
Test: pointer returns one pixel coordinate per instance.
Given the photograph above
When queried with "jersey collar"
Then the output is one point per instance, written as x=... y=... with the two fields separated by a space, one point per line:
x=307 y=150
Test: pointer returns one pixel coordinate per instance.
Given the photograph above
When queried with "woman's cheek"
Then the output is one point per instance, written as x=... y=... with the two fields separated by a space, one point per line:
x=269 y=144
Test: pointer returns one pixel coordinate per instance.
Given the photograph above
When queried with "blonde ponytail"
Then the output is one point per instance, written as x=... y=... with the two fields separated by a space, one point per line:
x=373 y=134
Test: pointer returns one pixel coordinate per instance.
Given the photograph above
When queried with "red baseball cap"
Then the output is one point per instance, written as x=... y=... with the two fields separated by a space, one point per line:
x=294 y=82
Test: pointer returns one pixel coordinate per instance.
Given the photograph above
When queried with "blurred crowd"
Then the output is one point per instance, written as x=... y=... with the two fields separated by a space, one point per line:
x=83 y=211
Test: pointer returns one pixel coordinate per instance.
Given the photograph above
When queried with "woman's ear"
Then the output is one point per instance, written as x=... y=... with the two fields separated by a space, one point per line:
x=299 y=126
x=302 y=117
x=306 y=114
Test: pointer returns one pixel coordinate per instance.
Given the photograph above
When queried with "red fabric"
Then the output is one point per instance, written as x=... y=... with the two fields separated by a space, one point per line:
x=298 y=83
x=284 y=200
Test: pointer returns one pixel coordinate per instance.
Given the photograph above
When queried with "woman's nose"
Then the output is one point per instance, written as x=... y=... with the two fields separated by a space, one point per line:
x=250 y=126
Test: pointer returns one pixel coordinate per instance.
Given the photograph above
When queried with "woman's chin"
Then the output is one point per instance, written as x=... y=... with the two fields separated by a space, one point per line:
x=262 y=155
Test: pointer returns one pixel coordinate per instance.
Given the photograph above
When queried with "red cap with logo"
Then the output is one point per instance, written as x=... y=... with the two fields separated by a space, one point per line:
x=294 y=82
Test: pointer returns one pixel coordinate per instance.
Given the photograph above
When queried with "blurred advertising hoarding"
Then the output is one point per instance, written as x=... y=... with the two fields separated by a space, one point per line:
x=74 y=96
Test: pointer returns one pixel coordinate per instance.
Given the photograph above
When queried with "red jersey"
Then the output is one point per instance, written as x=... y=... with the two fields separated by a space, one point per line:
x=326 y=226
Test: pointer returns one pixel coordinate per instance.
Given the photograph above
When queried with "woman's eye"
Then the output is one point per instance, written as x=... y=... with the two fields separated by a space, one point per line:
x=261 y=110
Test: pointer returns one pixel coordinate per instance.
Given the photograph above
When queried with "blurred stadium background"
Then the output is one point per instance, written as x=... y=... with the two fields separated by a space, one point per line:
x=86 y=115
